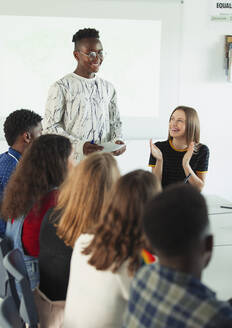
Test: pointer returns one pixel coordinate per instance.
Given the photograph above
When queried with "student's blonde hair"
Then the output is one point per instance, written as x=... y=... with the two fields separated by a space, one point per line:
x=192 y=124
x=83 y=194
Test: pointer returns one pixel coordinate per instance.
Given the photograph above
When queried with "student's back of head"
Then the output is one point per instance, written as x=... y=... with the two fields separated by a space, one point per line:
x=83 y=195
x=119 y=235
x=22 y=126
x=176 y=222
x=169 y=293
x=43 y=167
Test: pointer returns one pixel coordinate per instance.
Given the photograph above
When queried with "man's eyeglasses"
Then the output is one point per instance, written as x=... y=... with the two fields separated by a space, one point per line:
x=93 y=54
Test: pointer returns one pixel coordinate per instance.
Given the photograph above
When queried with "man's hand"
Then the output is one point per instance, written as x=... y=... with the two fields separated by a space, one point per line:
x=89 y=148
x=121 y=150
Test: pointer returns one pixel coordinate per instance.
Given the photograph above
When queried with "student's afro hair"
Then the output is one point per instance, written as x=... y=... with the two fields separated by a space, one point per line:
x=85 y=33
x=18 y=122
x=175 y=219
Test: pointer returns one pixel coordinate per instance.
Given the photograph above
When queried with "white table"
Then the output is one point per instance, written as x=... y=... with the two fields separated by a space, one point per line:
x=219 y=272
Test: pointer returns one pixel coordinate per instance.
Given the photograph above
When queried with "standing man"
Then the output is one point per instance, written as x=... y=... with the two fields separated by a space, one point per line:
x=20 y=128
x=82 y=106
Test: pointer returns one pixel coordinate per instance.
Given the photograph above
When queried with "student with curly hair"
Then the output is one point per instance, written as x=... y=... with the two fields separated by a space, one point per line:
x=82 y=106
x=20 y=128
x=31 y=191
x=80 y=202
x=105 y=259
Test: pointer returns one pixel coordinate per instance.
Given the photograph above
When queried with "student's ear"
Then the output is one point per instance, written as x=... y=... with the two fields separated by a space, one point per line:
x=209 y=243
x=27 y=137
x=76 y=55
x=208 y=249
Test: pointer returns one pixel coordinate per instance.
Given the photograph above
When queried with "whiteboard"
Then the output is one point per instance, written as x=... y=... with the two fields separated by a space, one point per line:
x=36 y=51
x=162 y=17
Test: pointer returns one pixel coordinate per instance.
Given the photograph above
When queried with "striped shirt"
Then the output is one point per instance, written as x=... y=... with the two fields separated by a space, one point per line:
x=172 y=162
x=82 y=110
x=164 y=298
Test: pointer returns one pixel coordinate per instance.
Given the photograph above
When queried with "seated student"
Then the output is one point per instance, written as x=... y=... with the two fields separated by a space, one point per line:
x=30 y=193
x=105 y=259
x=20 y=128
x=170 y=293
x=182 y=157
x=80 y=202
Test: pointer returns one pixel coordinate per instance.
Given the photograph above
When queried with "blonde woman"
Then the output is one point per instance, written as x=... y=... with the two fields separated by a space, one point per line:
x=182 y=157
x=105 y=258
x=80 y=202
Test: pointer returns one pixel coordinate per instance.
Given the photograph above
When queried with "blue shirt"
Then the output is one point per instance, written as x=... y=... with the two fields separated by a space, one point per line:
x=8 y=162
x=164 y=298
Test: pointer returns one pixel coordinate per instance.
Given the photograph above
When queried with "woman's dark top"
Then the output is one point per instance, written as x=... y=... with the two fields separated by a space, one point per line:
x=54 y=261
x=172 y=162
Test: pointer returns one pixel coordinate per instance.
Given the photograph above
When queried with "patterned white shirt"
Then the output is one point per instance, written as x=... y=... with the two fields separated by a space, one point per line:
x=82 y=110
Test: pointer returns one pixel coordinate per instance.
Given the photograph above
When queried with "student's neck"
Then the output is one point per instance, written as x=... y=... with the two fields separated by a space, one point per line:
x=19 y=147
x=179 y=143
x=84 y=74
x=189 y=265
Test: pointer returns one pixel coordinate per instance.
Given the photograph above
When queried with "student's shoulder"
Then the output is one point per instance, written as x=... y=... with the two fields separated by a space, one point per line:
x=66 y=81
x=144 y=274
x=162 y=144
x=107 y=84
x=7 y=161
x=222 y=310
x=124 y=279
x=82 y=242
x=3 y=155
x=48 y=225
x=80 y=260
x=203 y=149
x=50 y=217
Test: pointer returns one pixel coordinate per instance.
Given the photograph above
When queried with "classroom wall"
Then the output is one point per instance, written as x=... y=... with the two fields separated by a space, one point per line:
x=203 y=85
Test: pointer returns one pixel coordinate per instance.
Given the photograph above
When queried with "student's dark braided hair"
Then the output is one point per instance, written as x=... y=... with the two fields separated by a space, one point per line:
x=85 y=33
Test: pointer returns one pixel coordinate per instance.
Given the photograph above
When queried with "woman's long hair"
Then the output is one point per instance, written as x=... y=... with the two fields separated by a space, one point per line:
x=192 y=125
x=119 y=235
x=83 y=194
x=42 y=167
